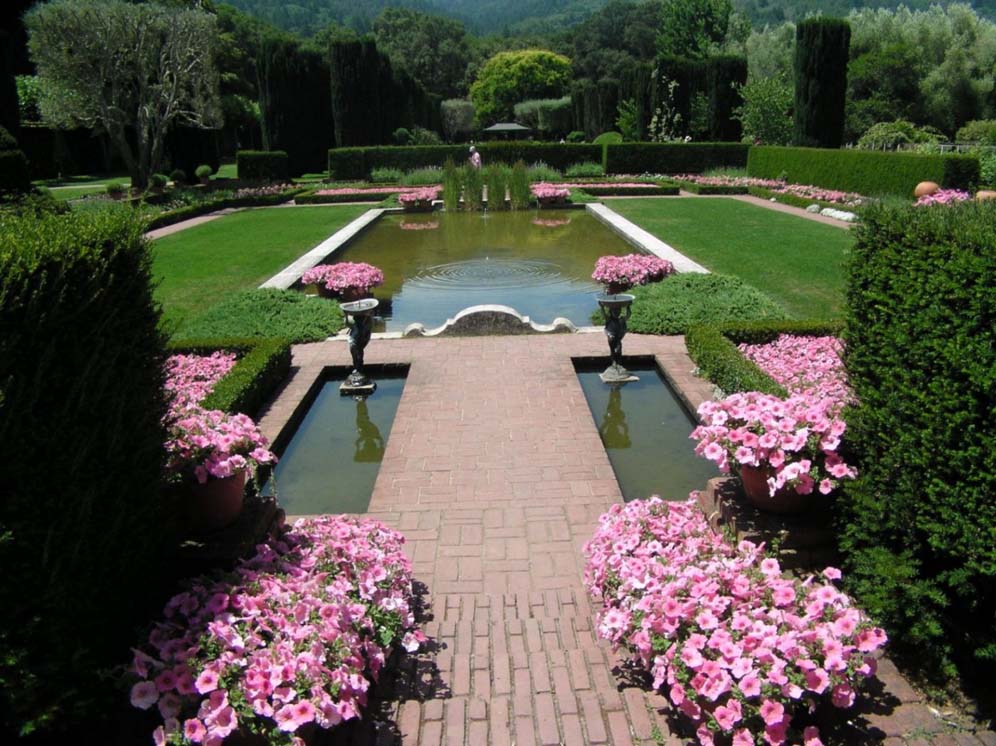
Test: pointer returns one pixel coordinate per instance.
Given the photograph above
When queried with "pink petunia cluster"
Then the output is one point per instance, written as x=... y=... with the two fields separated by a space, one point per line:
x=339 y=277
x=551 y=222
x=545 y=192
x=431 y=226
x=811 y=366
x=738 y=649
x=631 y=269
x=417 y=196
x=943 y=197
x=803 y=191
x=364 y=191
x=263 y=191
x=292 y=638
x=796 y=439
x=607 y=185
x=189 y=378
x=740 y=181
x=209 y=443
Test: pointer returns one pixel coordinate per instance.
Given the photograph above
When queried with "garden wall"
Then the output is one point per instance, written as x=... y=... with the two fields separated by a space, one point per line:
x=866 y=172
x=918 y=530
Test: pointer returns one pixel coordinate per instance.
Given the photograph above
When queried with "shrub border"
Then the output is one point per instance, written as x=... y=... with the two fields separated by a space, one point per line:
x=311 y=197
x=707 y=189
x=195 y=211
x=262 y=367
x=714 y=350
x=608 y=190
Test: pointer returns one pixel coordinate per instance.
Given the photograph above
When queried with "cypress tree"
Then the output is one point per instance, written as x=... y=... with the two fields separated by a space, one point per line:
x=821 y=53
x=725 y=75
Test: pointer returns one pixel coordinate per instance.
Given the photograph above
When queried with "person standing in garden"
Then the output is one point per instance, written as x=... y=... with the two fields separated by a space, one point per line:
x=475 y=157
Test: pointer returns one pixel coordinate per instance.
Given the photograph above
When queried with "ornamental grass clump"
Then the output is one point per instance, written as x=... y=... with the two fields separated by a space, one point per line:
x=739 y=650
x=358 y=276
x=291 y=640
x=624 y=272
x=795 y=440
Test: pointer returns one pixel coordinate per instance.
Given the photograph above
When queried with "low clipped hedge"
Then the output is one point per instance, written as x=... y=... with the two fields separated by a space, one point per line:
x=918 y=534
x=691 y=299
x=262 y=165
x=357 y=163
x=866 y=172
x=608 y=190
x=714 y=351
x=195 y=211
x=313 y=198
x=85 y=531
x=14 y=176
x=263 y=364
x=712 y=189
x=673 y=158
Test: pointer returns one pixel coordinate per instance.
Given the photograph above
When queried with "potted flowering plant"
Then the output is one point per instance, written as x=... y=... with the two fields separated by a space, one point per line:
x=549 y=194
x=210 y=452
x=783 y=449
x=285 y=646
x=344 y=281
x=743 y=653
x=418 y=200
x=619 y=273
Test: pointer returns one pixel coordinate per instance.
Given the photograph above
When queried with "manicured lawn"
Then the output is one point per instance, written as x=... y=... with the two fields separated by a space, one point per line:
x=197 y=267
x=76 y=192
x=796 y=261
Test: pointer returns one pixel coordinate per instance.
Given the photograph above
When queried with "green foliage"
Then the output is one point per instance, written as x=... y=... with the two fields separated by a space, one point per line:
x=262 y=165
x=451 y=186
x=510 y=77
x=672 y=158
x=869 y=173
x=551 y=117
x=423 y=177
x=575 y=137
x=81 y=410
x=609 y=42
x=473 y=186
x=587 y=170
x=14 y=176
x=497 y=177
x=197 y=209
x=263 y=364
x=7 y=141
x=423 y=136
x=268 y=313
x=386 y=176
x=821 y=54
x=178 y=176
x=698 y=97
x=434 y=50
x=987 y=169
x=542 y=172
x=714 y=351
x=692 y=28
x=458 y=118
x=519 y=195
x=609 y=138
x=357 y=163
x=28 y=96
x=159 y=181
x=921 y=351
x=312 y=198
x=682 y=301
x=608 y=189
x=203 y=171
x=628 y=120
x=978 y=132
x=9 y=103
x=890 y=135
x=402 y=136
x=116 y=189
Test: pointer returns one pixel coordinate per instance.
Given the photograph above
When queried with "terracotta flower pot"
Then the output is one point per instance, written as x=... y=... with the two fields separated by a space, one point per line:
x=786 y=500
x=346 y=295
x=924 y=188
x=215 y=504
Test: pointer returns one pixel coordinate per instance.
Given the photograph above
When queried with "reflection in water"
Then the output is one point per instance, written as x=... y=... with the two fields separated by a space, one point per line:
x=614 y=431
x=369 y=441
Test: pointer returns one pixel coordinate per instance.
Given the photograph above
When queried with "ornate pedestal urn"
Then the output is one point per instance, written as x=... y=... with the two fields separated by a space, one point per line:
x=359 y=316
x=616 y=307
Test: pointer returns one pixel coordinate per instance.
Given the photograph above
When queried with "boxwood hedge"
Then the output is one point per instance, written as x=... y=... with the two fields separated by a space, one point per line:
x=673 y=158
x=262 y=165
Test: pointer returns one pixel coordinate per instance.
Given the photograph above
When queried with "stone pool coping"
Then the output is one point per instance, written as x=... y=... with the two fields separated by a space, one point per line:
x=629 y=231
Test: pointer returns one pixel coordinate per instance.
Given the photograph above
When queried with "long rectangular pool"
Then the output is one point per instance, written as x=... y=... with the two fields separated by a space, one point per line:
x=539 y=262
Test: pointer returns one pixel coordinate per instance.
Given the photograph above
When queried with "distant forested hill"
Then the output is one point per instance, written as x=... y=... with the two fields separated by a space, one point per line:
x=530 y=16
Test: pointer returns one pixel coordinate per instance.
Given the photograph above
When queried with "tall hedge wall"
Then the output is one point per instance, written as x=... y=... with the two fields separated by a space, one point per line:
x=673 y=158
x=821 y=54
x=918 y=529
x=295 y=98
x=716 y=79
x=356 y=163
x=13 y=166
x=81 y=408
x=10 y=114
x=867 y=172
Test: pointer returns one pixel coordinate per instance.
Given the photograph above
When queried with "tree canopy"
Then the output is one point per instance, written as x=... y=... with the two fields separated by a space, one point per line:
x=432 y=49
x=511 y=77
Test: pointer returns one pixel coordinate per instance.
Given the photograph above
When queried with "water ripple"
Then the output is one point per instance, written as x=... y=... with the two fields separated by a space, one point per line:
x=482 y=274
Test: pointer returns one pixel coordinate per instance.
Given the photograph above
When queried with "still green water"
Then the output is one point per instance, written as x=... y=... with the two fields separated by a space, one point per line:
x=645 y=430
x=331 y=463
x=435 y=265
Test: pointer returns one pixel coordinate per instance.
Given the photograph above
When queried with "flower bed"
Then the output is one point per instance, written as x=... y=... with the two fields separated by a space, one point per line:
x=551 y=222
x=290 y=640
x=344 y=276
x=738 y=650
x=192 y=377
x=631 y=269
x=792 y=192
x=810 y=366
x=550 y=194
x=426 y=226
x=418 y=199
x=943 y=197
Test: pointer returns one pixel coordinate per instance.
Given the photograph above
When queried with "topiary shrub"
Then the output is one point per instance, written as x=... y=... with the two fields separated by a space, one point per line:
x=575 y=136
x=609 y=138
x=203 y=173
x=178 y=176
x=916 y=525
x=81 y=407
x=682 y=301
x=262 y=165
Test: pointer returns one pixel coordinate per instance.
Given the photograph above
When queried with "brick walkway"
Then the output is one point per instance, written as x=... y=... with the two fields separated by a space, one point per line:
x=495 y=473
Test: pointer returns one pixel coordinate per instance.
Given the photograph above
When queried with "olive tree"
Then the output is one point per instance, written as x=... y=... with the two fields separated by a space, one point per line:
x=132 y=71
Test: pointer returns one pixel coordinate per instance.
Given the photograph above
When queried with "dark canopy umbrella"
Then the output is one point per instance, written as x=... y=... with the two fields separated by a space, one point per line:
x=507 y=129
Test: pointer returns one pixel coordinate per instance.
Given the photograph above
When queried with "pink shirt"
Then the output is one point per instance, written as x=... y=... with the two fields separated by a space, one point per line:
x=475 y=159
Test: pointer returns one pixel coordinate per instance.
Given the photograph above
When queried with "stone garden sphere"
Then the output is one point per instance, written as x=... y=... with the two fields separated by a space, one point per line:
x=924 y=188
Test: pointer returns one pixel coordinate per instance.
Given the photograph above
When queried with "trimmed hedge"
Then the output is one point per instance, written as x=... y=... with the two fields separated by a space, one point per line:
x=714 y=351
x=357 y=163
x=14 y=175
x=917 y=524
x=262 y=165
x=820 y=66
x=866 y=172
x=262 y=366
x=313 y=198
x=608 y=190
x=694 y=188
x=673 y=158
x=194 y=211
x=81 y=427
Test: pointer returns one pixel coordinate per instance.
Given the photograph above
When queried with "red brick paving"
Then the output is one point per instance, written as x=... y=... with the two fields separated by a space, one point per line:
x=495 y=473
